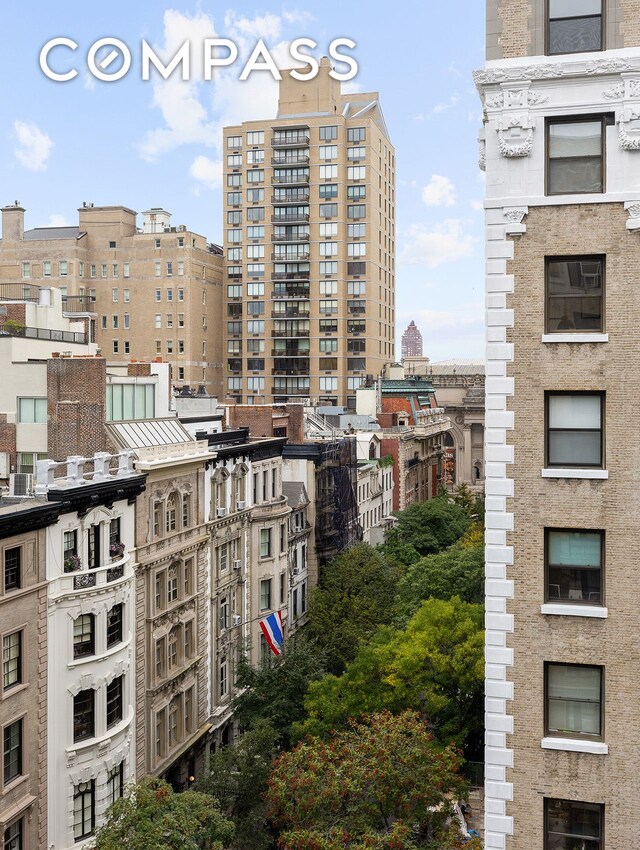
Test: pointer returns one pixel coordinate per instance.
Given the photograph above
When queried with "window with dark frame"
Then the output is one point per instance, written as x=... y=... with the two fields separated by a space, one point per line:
x=115 y=783
x=568 y=823
x=84 y=809
x=12 y=568
x=575 y=430
x=573 y=697
x=84 y=636
x=115 y=620
x=13 y=836
x=114 y=701
x=575 y=155
x=12 y=751
x=84 y=715
x=574 y=566
x=574 y=26
x=574 y=290
x=11 y=660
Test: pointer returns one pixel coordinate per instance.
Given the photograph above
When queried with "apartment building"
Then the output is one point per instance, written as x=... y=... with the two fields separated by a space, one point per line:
x=309 y=212
x=560 y=143
x=154 y=291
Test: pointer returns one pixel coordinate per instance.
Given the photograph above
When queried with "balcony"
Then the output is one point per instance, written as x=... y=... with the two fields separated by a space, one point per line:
x=290 y=141
x=289 y=352
x=291 y=275
x=290 y=180
x=283 y=161
x=90 y=579
x=289 y=218
x=20 y=292
x=298 y=198
x=78 y=304
x=17 y=330
x=292 y=372
x=292 y=292
x=299 y=391
x=290 y=237
x=300 y=257
x=289 y=314
x=292 y=333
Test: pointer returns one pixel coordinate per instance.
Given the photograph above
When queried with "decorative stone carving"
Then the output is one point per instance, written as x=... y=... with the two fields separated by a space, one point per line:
x=515 y=136
x=629 y=134
x=614 y=92
x=633 y=209
x=595 y=67
x=482 y=151
x=515 y=219
x=607 y=66
x=510 y=98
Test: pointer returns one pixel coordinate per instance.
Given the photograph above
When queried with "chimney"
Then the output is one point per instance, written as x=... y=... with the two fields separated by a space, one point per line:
x=13 y=222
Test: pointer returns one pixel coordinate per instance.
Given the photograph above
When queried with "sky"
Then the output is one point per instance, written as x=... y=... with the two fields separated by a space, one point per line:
x=157 y=143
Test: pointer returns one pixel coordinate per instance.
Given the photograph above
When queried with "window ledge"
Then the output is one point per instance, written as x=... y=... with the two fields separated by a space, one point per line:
x=570 y=472
x=574 y=610
x=575 y=337
x=574 y=745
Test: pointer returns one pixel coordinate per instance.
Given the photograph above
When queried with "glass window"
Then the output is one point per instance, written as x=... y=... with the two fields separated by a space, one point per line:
x=255 y=137
x=115 y=783
x=255 y=157
x=12 y=751
x=569 y=824
x=328 y=210
x=115 y=619
x=13 y=836
x=356 y=134
x=12 y=568
x=328 y=134
x=32 y=410
x=114 y=701
x=84 y=636
x=356 y=172
x=328 y=190
x=83 y=715
x=234 y=142
x=84 y=806
x=328 y=151
x=574 y=562
x=574 y=429
x=575 y=288
x=265 y=592
x=265 y=544
x=575 y=26
x=575 y=156
x=11 y=660
x=574 y=700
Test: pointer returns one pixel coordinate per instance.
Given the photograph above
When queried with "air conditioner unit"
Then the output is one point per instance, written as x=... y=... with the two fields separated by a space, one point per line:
x=237 y=565
x=237 y=619
x=20 y=484
x=182 y=228
x=241 y=504
x=220 y=512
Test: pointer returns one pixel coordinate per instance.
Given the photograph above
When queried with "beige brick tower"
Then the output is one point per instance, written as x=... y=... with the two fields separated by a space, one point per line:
x=309 y=212
x=561 y=147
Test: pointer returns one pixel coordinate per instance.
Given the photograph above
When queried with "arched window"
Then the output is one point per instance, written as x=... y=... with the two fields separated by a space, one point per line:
x=186 y=510
x=170 y=514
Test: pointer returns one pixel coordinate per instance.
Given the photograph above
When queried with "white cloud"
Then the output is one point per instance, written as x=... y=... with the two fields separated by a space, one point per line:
x=453 y=101
x=478 y=206
x=34 y=146
x=449 y=333
x=439 y=192
x=298 y=17
x=432 y=247
x=58 y=220
x=351 y=87
x=207 y=171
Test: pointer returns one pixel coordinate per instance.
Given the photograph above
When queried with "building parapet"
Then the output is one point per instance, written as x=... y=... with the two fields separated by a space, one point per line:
x=106 y=468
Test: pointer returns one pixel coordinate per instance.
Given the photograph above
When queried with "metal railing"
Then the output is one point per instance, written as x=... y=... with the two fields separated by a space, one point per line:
x=44 y=333
x=78 y=303
x=19 y=292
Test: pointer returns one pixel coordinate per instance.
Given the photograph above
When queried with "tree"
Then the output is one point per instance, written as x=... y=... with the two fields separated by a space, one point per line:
x=435 y=666
x=381 y=783
x=424 y=529
x=238 y=778
x=355 y=596
x=457 y=571
x=153 y=816
x=275 y=691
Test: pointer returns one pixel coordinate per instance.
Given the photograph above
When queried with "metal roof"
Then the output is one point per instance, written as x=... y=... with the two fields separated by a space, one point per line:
x=53 y=233
x=150 y=432
x=295 y=493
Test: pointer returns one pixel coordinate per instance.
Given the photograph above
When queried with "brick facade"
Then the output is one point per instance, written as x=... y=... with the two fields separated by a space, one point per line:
x=76 y=392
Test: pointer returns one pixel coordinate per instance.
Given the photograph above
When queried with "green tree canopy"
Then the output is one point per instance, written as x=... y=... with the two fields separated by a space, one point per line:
x=238 y=778
x=152 y=816
x=381 y=783
x=456 y=571
x=275 y=691
x=435 y=666
x=426 y=528
x=354 y=598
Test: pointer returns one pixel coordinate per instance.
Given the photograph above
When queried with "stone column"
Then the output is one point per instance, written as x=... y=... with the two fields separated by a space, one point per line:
x=466 y=458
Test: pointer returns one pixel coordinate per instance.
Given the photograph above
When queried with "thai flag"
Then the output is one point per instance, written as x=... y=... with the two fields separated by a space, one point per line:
x=272 y=630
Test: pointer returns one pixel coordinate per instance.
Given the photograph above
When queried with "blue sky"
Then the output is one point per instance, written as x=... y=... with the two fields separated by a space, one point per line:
x=153 y=143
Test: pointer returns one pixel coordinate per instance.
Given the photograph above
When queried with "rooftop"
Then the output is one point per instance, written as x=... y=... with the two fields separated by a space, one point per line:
x=54 y=233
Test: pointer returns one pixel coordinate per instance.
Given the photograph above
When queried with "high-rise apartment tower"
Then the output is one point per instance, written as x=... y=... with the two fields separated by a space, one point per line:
x=309 y=212
x=411 y=341
x=561 y=144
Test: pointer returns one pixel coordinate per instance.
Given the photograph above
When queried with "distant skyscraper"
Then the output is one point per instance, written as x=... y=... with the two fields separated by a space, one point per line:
x=411 y=341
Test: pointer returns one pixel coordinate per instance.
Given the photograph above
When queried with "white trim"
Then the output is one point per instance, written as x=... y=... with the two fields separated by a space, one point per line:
x=574 y=745
x=560 y=472
x=575 y=337
x=574 y=610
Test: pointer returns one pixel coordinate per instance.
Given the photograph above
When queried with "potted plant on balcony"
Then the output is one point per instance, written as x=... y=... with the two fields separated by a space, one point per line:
x=72 y=563
x=116 y=550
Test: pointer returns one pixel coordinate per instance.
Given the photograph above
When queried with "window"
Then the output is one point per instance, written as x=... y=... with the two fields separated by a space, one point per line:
x=130 y=401
x=574 y=700
x=32 y=410
x=328 y=172
x=328 y=211
x=328 y=134
x=160 y=658
x=569 y=824
x=83 y=715
x=234 y=199
x=188 y=710
x=575 y=153
x=188 y=639
x=255 y=176
x=234 y=160
x=265 y=594
x=234 y=291
x=114 y=270
x=115 y=783
x=328 y=384
x=356 y=211
x=255 y=384
x=115 y=619
x=328 y=267
x=356 y=134
x=84 y=809
x=116 y=346
x=265 y=541
x=255 y=327
x=234 y=142
x=254 y=196
x=103 y=270
x=255 y=157
x=355 y=154
x=13 y=836
x=328 y=190
x=356 y=287
x=12 y=568
x=328 y=229
x=173 y=721
x=255 y=252
x=172 y=646
x=11 y=660
x=328 y=307
x=70 y=548
x=172 y=585
x=26 y=271
x=356 y=172
x=181 y=294
x=158 y=295
x=114 y=323
x=169 y=294
x=170 y=515
x=575 y=288
x=356 y=249
x=92 y=270
x=574 y=561
x=574 y=26
x=63 y=268
x=12 y=749
x=254 y=289
x=126 y=296
x=255 y=214
x=328 y=151
x=255 y=137
x=126 y=271
x=46 y=268
x=114 y=701
x=574 y=429
x=84 y=636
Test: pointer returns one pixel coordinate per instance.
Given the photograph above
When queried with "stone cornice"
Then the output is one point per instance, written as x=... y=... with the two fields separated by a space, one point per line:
x=545 y=70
